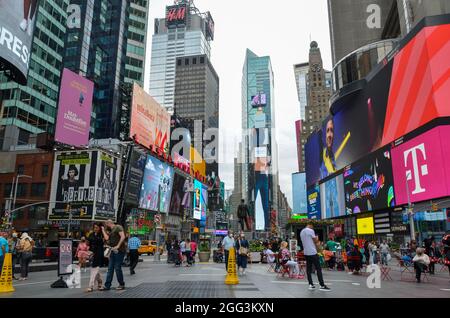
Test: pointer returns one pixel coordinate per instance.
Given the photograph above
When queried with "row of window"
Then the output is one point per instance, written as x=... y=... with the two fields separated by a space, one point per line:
x=26 y=189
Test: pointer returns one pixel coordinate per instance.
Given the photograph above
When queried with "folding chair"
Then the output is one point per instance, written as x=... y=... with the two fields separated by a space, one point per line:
x=301 y=260
x=385 y=272
x=284 y=269
x=271 y=268
x=406 y=270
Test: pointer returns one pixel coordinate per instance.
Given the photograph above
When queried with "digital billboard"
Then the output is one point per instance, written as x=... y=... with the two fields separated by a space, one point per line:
x=409 y=91
x=421 y=167
x=158 y=178
x=141 y=223
x=259 y=100
x=150 y=122
x=197 y=200
x=136 y=174
x=369 y=184
x=17 y=22
x=84 y=183
x=181 y=201
x=204 y=205
x=209 y=26
x=299 y=193
x=176 y=15
x=73 y=121
x=314 y=210
x=365 y=226
x=332 y=198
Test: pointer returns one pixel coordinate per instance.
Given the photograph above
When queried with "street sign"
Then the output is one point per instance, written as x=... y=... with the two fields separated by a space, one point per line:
x=65 y=257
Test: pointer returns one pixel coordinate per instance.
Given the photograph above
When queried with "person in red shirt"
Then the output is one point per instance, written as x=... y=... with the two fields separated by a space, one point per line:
x=193 y=250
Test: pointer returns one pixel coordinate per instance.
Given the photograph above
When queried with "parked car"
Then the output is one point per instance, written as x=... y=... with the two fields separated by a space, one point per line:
x=50 y=253
x=149 y=248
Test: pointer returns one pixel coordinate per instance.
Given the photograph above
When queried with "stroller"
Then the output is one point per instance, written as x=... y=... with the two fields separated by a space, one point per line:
x=178 y=257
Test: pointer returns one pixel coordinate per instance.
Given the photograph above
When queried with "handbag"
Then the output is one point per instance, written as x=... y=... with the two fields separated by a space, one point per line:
x=243 y=251
x=107 y=252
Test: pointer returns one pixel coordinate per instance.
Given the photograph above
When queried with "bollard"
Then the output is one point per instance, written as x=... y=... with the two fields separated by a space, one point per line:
x=232 y=278
x=6 y=278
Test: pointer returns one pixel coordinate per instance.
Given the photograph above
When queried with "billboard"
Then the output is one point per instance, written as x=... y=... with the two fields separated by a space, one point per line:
x=204 y=205
x=73 y=121
x=299 y=193
x=365 y=226
x=136 y=174
x=259 y=120
x=17 y=21
x=369 y=184
x=314 y=211
x=142 y=222
x=332 y=198
x=181 y=200
x=209 y=26
x=421 y=167
x=259 y=100
x=84 y=183
x=409 y=91
x=197 y=200
x=150 y=122
x=158 y=178
x=176 y=15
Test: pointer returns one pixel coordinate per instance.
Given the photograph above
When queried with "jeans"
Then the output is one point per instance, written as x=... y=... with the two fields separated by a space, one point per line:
x=242 y=261
x=95 y=277
x=419 y=268
x=384 y=259
x=24 y=264
x=313 y=260
x=134 y=260
x=226 y=259
x=115 y=264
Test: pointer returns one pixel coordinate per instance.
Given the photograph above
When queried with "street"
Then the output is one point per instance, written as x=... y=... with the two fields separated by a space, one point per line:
x=162 y=280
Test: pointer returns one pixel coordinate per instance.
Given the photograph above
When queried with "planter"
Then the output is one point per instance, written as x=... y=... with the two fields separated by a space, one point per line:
x=255 y=257
x=204 y=257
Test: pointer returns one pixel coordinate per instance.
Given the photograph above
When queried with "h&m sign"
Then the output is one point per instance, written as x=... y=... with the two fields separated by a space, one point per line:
x=176 y=15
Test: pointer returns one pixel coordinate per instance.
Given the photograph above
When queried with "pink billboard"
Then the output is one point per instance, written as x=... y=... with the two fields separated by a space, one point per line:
x=74 y=109
x=420 y=167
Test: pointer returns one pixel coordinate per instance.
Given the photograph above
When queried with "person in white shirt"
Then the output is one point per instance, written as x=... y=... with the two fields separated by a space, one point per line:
x=227 y=243
x=421 y=261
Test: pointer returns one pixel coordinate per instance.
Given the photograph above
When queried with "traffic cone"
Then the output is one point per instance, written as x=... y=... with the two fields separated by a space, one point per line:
x=6 y=278
x=232 y=278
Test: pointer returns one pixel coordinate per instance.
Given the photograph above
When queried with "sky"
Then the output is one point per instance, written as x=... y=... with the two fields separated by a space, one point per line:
x=280 y=29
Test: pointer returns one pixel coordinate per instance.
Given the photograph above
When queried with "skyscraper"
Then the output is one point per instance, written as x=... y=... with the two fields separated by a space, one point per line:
x=260 y=167
x=183 y=32
x=31 y=109
x=301 y=72
x=197 y=99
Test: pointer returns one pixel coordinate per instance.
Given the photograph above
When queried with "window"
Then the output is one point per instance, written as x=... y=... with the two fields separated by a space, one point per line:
x=202 y=60
x=20 y=169
x=38 y=189
x=179 y=62
x=186 y=62
x=7 y=190
x=44 y=170
x=22 y=190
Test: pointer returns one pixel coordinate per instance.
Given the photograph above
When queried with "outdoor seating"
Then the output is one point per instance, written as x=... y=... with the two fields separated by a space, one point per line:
x=406 y=271
x=385 y=272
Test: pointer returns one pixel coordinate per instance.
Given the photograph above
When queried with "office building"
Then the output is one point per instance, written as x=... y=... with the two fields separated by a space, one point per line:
x=301 y=73
x=183 y=32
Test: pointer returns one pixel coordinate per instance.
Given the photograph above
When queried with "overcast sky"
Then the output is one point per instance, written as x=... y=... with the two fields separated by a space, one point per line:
x=280 y=29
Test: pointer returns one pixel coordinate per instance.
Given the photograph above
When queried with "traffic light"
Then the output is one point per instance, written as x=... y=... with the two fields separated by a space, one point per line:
x=434 y=207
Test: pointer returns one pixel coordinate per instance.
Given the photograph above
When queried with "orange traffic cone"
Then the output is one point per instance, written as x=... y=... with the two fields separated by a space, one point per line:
x=232 y=278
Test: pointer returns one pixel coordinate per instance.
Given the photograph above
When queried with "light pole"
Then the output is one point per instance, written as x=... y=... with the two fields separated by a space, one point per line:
x=12 y=202
x=157 y=256
x=410 y=210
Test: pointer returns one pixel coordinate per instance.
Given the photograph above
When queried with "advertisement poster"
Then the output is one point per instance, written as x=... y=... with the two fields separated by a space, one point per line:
x=74 y=185
x=181 y=201
x=158 y=177
x=73 y=122
x=365 y=225
x=197 y=200
x=299 y=193
x=65 y=257
x=107 y=192
x=142 y=222
x=204 y=205
x=369 y=185
x=134 y=182
x=17 y=22
x=314 y=211
x=150 y=122
x=333 y=198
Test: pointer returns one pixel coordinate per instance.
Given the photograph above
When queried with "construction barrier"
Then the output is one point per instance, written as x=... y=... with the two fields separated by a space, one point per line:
x=232 y=277
x=7 y=274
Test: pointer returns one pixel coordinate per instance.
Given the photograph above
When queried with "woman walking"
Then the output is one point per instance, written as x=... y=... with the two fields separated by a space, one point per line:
x=242 y=247
x=96 y=245
x=25 y=248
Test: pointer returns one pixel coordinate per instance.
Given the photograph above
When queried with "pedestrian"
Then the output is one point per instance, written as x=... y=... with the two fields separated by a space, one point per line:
x=309 y=241
x=96 y=246
x=242 y=247
x=331 y=246
x=193 y=250
x=4 y=249
x=384 y=249
x=228 y=242
x=133 y=246
x=446 y=251
x=25 y=247
x=188 y=253
x=82 y=253
x=116 y=240
x=183 y=251
x=12 y=242
x=421 y=261
x=434 y=255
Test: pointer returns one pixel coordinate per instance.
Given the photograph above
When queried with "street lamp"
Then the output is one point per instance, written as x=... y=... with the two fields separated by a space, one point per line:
x=13 y=194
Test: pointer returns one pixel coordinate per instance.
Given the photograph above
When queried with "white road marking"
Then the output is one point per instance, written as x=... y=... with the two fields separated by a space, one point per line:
x=356 y=284
x=297 y=283
x=201 y=274
x=444 y=289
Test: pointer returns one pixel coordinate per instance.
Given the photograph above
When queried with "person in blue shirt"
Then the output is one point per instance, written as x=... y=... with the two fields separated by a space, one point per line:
x=4 y=248
x=133 y=246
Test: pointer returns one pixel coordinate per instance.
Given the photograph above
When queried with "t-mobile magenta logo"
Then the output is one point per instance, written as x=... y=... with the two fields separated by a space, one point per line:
x=415 y=172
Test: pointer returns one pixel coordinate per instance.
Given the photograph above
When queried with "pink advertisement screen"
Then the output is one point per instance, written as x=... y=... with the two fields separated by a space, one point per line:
x=420 y=166
x=74 y=109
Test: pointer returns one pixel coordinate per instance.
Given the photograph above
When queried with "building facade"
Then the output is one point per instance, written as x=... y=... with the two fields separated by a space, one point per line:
x=183 y=32
x=301 y=78
x=31 y=109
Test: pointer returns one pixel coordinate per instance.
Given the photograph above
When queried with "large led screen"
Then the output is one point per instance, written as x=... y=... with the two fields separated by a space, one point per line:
x=369 y=185
x=158 y=178
x=314 y=211
x=365 y=226
x=299 y=193
x=332 y=198
x=197 y=200
x=181 y=201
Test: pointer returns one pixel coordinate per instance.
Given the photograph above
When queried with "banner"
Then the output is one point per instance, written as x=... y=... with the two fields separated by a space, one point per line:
x=134 y=182
x=108 y=179
x=197 y=200
x=74 y=109
x=314 y=211
x=17 y=22
x=332 y=198
x=181 y=201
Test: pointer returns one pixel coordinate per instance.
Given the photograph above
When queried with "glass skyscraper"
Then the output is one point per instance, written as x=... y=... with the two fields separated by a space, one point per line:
x=172 y=41
x=31 y=109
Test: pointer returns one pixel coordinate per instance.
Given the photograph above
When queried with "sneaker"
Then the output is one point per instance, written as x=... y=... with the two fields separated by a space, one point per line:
x=324 y=288
x=23 y=25
x=312 y=287
x=120 y=288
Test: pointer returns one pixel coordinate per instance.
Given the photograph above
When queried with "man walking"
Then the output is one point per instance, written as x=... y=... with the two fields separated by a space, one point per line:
x=115 y=239
x=309 y=241
x=133 y=246
x=228 y=242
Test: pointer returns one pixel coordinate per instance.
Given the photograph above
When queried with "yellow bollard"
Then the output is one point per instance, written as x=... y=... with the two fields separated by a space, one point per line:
x=232 y=278
x=6 y=278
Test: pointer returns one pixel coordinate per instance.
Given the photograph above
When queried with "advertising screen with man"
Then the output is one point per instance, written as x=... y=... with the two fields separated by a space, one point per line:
x=17 y=21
